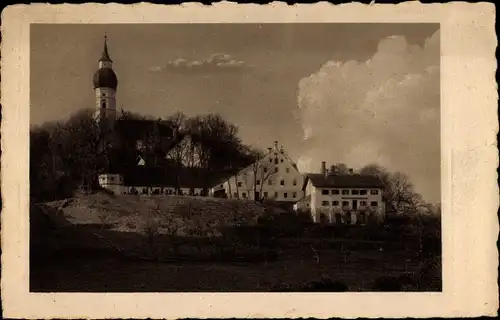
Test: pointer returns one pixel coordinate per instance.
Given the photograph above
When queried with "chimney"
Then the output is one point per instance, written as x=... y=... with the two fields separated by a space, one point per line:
x=323 y=167
x=351 y=171
x=276 y=145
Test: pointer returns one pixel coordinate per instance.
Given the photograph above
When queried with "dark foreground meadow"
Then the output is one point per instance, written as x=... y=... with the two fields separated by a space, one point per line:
x=270 y=256
x=104 y=273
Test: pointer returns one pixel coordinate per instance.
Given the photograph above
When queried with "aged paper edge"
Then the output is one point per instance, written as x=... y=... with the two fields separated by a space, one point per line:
x=470 y=194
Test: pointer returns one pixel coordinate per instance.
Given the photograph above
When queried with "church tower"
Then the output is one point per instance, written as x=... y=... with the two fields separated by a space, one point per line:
x=105 y=85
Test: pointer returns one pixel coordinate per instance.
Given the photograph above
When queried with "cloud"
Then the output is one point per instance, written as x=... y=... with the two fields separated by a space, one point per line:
x=217 y=62
x=383 y=110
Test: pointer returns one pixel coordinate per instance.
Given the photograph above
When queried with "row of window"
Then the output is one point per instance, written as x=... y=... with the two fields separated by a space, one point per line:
x=347 y=203
x=276 y=169
x=346 y=192
x=190 y=192
x=266 y=195
x=110 y=179
x=270 y=182
x=276 y=160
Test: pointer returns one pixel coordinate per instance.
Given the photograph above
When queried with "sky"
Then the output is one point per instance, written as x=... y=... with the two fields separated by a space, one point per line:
x=351 y=93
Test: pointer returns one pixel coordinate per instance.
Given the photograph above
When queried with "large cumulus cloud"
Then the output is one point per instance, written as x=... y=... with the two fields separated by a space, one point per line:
x=384 y=110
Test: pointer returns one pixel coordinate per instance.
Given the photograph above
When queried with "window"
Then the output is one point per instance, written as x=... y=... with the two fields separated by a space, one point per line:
x=287 y=170
x=363 y=192
x=275 y=160
x=362 y=203
x=345 y=192
x=355 y=192
x=235 y=195
x=294 y=195
x=281 y=160
x=239 y=184
x=265 y=194
x=285 y=195
x=374 y=191
x=345 y=203
x=276 y=194
x=258 y=182
x=276 y=169
x=294 y=182
x=282 y=182
x=265 y=169
x=325 y=203
x=244 y=194
x=335 y=191
x=335 y=203
x=104 y=104
x=324 y=191
x=144 y=190
x=270 y=182
x=374 y=203
x=270 y=160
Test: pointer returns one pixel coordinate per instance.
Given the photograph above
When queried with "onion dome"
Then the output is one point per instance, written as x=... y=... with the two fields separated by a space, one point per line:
x=105 y=78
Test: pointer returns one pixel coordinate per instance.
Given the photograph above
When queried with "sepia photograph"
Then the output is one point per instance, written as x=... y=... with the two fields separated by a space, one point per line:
x=249 y=161
x=220 y=157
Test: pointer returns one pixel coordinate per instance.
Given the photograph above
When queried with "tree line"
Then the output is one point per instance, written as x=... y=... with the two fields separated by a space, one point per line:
x=68 y=155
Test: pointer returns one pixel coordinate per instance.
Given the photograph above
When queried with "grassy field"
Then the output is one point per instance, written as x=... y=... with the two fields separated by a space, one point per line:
x=71 y=251
x=107 y=273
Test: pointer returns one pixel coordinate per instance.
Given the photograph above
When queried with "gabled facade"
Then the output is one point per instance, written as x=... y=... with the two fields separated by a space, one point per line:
x=273 y=177
x=343 y=198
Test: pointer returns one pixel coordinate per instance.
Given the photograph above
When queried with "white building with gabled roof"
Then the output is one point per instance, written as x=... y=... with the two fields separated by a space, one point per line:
x=273 y=177
x=340 y=198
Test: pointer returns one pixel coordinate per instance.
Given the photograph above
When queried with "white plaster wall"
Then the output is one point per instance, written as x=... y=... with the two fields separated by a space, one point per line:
x=248 y=178
x=109 y=96
x=317 y=206
x=112 y=182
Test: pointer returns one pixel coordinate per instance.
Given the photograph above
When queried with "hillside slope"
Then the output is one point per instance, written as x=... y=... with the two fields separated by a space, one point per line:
x=132 y=213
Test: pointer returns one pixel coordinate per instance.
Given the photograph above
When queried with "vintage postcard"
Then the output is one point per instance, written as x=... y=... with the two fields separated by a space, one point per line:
x=258 y=161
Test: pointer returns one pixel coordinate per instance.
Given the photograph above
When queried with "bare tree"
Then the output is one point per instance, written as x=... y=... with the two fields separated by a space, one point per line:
x=87 y=147
x=257 y=174
x=399 y=193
